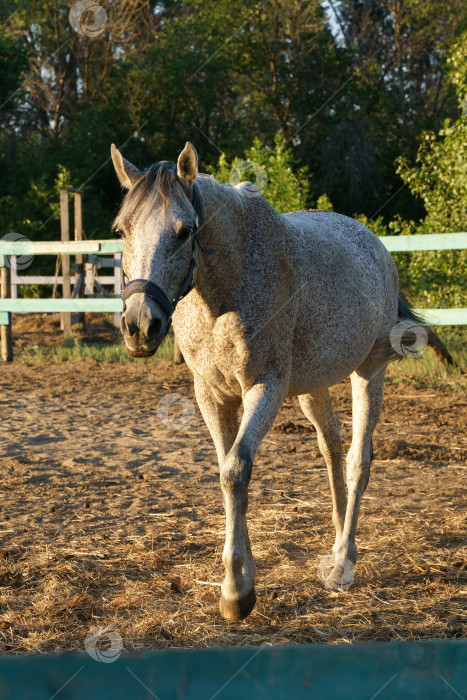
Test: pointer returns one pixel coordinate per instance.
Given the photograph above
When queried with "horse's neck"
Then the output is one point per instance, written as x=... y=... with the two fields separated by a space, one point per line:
x=224 y=230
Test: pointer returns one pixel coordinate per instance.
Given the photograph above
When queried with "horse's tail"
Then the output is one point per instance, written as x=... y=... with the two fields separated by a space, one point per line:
x=406 y=313
x=408 y=338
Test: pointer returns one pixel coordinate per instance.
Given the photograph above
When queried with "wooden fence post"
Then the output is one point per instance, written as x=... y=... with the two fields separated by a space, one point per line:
x=65 y=236
x=14 y=277
x=6 y=333
x=89 y=279
x=78 y=214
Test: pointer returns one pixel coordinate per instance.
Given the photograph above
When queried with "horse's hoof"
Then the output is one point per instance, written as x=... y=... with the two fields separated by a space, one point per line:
x=336 y=576
x=235 y=610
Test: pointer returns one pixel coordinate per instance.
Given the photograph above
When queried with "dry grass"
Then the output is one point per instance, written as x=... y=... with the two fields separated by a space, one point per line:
x=134 y=540
x=162 y=590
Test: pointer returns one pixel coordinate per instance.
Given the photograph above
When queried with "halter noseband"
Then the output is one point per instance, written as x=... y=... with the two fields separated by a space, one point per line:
x=141 y=286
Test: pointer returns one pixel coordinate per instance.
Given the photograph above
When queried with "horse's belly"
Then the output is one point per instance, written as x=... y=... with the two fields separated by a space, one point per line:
x=327 y=347
x=310 y=375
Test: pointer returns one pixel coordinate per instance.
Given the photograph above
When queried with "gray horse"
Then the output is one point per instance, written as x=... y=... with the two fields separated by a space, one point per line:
x=288 y=305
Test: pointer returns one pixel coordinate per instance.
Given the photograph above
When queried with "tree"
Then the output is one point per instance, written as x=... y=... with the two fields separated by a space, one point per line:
x=272 y=170
x=439 y=178
x=399 y=88
x=219 y=73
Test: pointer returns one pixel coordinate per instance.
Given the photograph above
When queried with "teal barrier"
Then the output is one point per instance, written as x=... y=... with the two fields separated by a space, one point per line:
x=434 y=241
x=443 y=317
x=433 y=670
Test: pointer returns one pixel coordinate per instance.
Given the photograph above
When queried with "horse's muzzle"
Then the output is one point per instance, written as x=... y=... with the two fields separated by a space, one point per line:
x=143 y=326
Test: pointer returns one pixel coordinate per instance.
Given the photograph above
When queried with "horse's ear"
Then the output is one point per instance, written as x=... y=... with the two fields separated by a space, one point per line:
x=187 y=164
x=127 y=173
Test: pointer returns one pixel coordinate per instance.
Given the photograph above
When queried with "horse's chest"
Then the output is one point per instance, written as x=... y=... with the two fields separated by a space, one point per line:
x=218 y=349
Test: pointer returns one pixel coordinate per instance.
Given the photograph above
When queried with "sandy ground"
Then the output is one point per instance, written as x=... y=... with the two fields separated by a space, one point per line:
x=111 y=515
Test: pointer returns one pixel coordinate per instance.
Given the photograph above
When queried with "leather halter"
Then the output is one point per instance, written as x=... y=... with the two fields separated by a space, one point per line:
x=142 y=286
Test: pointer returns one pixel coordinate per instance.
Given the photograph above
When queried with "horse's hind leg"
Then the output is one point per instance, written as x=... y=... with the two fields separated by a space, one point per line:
x=318 y=409
x=367 y=397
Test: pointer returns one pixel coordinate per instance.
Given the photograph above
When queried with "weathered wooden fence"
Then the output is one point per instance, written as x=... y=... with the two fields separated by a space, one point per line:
x=433 y=670
x=72 y=301
x=113 y=304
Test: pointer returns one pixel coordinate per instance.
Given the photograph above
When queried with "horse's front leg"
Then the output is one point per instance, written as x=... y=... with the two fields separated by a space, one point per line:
x=220 y=414
x=260 y=404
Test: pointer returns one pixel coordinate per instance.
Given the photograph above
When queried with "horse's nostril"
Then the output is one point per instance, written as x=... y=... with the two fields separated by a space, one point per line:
x=154 y=328
x=128 y=328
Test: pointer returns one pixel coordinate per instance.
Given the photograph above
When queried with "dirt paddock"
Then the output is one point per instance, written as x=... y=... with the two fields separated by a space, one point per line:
x=110 y=517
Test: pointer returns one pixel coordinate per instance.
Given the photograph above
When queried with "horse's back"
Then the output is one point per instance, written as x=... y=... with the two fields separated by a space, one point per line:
x=336 y=232
x=340 y=247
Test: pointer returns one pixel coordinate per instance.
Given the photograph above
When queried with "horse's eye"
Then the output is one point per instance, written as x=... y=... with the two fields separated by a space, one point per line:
x=184 y=233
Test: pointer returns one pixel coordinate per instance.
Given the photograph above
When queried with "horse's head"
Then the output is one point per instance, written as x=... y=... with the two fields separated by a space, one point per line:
x=157 y=221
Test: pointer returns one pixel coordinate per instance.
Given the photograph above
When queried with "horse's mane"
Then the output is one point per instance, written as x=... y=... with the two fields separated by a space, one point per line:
x=158 y=182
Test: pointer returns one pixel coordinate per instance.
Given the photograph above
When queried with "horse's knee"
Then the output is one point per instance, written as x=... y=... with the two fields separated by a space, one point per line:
x=235 y=472
x=358 y=468
x=358 y=476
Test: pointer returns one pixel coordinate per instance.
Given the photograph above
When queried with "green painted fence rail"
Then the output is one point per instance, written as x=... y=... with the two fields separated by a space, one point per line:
x=444 y=317
x=433 y=670
x=441 y=241
x=101 y=247
x=32 y=306
x=434 y=241
x=425 y=241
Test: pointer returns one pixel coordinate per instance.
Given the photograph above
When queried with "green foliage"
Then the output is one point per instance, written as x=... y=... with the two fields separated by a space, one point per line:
x=219 y=73
x=286 y=188
x=438 y=278
x=378 y=225
x=63 y=178
x=323 y=202
x=399 y=88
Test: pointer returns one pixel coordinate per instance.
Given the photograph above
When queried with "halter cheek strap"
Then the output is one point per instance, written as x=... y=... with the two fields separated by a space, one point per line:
x=141 y=286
